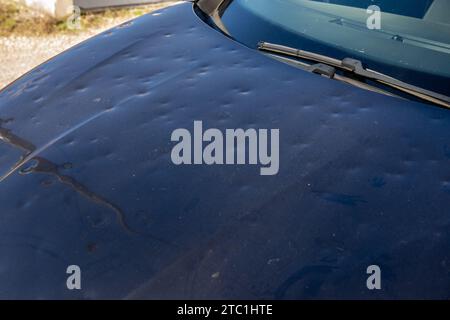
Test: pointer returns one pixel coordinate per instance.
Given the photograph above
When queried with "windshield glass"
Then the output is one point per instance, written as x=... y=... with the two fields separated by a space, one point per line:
x=409 y=40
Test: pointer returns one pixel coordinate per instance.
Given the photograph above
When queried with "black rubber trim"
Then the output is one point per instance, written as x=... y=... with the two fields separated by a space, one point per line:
x=215 y=8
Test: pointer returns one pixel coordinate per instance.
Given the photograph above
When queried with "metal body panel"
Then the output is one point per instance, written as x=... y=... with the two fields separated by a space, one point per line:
x=364 y=178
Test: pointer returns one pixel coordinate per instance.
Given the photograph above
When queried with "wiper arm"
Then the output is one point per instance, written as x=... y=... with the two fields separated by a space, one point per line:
x=355 y=67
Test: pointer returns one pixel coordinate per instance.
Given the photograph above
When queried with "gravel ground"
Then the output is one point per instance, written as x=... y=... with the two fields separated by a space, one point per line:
x=19 y=54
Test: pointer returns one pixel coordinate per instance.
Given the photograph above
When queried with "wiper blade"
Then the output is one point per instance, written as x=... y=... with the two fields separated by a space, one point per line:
x=355 y=67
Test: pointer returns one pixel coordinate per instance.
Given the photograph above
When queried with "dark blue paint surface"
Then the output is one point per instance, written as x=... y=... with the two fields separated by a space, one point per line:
x=364 y=178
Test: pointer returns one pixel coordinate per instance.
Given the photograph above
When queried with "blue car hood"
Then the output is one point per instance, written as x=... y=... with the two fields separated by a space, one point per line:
x=87 y=177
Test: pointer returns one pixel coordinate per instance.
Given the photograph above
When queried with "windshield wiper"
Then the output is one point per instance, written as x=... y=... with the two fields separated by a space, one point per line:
x=355 y=67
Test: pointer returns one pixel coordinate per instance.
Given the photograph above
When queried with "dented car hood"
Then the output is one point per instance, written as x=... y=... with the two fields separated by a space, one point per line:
x=87 y=179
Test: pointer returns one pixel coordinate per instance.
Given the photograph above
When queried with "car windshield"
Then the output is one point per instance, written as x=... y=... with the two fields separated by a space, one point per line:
x=409 y=40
